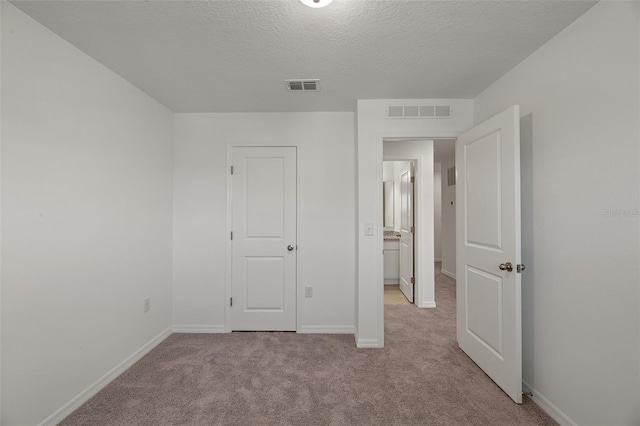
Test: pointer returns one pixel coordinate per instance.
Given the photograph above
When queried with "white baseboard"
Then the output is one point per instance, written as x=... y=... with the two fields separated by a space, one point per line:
x=548 y=407
x=437 y=259
x=367 y=343
x=198 y=328
x=448 y=274
x=391 y=281
x=326 y=329
x=427 y=305
x=103 y=381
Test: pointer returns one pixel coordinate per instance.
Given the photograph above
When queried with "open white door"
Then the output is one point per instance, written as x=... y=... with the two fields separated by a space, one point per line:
x=406 y=232
x=263 y=191
x=488 y=249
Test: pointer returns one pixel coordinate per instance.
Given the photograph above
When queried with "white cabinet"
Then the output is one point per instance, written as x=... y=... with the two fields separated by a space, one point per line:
x=391 y=261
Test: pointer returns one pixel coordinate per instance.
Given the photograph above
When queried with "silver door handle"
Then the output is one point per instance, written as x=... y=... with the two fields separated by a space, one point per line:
x=290 y=247
x=506 y=267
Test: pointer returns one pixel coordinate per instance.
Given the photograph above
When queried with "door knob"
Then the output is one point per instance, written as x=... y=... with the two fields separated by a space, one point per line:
x=290 y=247
x=506 y=267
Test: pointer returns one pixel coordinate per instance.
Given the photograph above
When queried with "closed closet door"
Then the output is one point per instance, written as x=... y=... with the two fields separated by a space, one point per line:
x=264 y=238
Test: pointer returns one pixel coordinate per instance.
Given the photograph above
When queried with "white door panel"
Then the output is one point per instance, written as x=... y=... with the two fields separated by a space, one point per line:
x=488 y=235
x=264 y=225
x=264 y=283
x=265 y=194
x=406 y=232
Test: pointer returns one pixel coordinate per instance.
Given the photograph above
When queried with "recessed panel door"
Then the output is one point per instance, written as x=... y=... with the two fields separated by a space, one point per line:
x=406 y=232
x=488 y=244
x=263 y=193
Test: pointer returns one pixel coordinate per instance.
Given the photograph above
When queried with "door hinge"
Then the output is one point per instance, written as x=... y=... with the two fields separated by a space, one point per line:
x=231 y=169
x=413 y=229
x=413 y=179
x=520 y=267
x=231 y=235
x=231 y=301
x=413 y=280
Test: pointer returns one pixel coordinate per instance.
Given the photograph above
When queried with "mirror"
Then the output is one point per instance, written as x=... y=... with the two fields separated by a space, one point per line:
x=387 y=204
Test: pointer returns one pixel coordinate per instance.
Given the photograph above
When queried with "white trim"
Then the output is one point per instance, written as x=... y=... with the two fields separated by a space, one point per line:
x=368 y=343
x=379 y=232
x=103 y=381
x=378 y=216
x=299 y=239
x=327 y=329
x=198 y=328
x=437 y=259
x=547 y=406
x=228 y=285
x=418 y=163
x=391 y=281
x=299 y=243
x=426 y=305
x=448 y=274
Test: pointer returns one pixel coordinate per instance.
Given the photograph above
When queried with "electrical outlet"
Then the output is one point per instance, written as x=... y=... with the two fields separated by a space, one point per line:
x=308 y=291
x=147 y=304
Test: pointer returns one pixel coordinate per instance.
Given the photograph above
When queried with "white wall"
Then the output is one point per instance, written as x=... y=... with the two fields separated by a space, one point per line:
x=578 y=98
x=1 y=9
x=448 y=220
x=388 y=175
x=398 y=167
x=437 y=213
x=326 y=241
x=86 y=220
x=391 y=171
x=387 y=171
x=372 y=127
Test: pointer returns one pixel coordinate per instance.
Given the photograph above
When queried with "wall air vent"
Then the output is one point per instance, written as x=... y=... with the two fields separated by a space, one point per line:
x=419 y=111
x=303 y=85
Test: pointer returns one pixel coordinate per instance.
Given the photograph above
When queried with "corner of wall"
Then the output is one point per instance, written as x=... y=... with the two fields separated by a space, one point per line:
x=64 y=411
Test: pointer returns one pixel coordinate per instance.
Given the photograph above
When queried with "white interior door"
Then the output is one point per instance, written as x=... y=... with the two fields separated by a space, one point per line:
x=406 y=232
x=263 y=192
x=488 y=241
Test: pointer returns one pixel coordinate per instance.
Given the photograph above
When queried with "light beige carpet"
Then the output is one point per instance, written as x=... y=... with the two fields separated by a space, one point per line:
x=420 y=377
x=394 y=296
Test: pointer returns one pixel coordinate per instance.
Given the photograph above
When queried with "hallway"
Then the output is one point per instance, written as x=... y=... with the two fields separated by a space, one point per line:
x=439 y=376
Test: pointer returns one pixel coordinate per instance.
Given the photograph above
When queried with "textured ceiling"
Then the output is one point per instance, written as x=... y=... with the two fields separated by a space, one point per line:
x=233 y=55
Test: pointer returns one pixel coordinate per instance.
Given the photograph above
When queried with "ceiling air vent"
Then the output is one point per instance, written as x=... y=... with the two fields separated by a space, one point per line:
x=303 y=85
x=419 y=111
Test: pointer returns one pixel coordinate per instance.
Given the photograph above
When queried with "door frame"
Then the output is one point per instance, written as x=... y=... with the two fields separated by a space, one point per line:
x=379 y=228
x=229 y=247
x=416 y=205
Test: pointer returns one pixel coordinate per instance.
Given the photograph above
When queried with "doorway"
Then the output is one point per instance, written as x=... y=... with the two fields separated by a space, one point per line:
x=475 y=205
x=438 y=158
x=418 y=276
x=444 y=208
x=398 y=218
